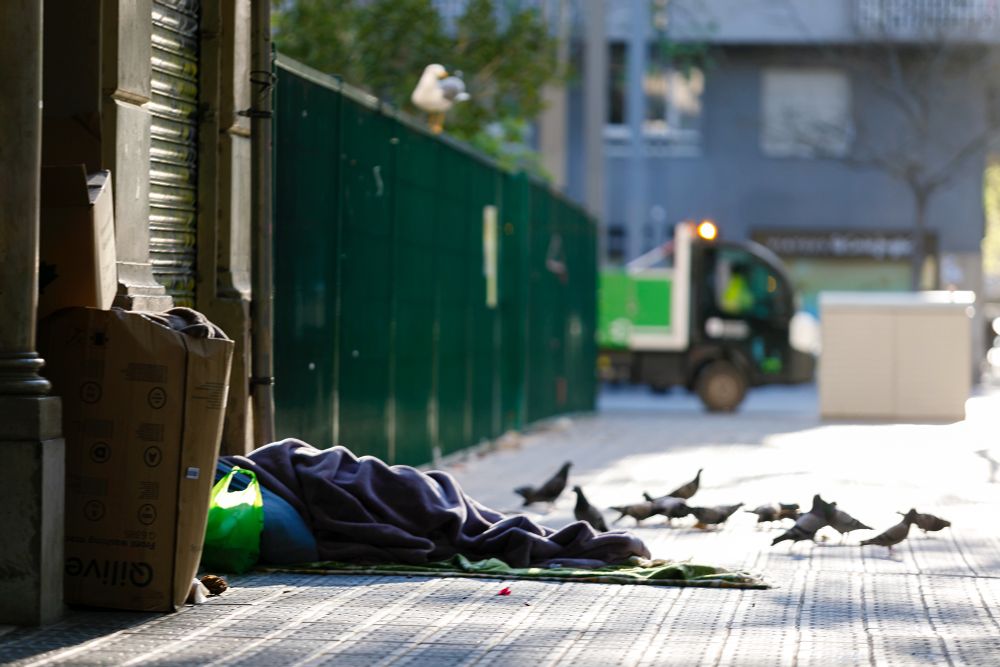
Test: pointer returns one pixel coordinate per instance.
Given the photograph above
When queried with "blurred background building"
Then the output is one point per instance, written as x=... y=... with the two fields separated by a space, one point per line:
x=830 y=132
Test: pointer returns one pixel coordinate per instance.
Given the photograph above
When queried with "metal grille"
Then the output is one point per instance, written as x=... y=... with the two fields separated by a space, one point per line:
x=928 y=18
x=173 y=153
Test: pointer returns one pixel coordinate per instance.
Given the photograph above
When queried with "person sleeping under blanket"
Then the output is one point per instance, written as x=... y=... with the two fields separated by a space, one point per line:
x=328 y=504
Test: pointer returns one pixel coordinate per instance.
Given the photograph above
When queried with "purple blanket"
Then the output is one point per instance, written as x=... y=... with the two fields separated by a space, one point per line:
x=364 y=511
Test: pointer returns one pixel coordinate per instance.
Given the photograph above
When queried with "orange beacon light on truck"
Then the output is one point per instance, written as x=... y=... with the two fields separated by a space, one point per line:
x=707 y=230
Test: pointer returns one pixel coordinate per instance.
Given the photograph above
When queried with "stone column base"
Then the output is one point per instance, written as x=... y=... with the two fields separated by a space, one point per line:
x=32 y=476
x=138 y=289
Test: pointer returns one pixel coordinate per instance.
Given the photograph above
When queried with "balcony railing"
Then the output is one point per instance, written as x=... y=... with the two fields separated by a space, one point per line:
x=974 y=20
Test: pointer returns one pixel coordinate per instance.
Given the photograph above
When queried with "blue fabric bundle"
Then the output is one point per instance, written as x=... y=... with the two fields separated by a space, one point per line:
x=360 y=510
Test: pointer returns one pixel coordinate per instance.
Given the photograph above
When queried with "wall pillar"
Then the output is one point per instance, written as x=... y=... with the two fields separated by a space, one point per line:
x=223 y=289
x=96 y=90
x=637 y=213
x=126 y=48
x=596 y=116
x=553 y=120
x=32 y=474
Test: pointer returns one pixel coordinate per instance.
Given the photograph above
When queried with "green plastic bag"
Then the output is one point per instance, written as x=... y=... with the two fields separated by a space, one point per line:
x=235 y=520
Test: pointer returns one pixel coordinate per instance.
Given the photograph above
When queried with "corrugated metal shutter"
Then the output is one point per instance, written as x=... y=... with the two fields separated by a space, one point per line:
x=173 y=154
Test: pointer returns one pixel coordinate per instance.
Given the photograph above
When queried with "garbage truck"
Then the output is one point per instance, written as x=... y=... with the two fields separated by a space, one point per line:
x=713 y=316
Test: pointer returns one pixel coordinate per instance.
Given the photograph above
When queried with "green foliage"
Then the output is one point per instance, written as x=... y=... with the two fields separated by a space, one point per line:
x=684 y=56
x=317 y=32
x=991 y=239
x=507 y=142
x=392 y=39
x=504 y=51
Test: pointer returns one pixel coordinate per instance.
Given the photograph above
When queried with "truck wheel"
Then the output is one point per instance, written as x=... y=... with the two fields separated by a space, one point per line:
x=721 y=386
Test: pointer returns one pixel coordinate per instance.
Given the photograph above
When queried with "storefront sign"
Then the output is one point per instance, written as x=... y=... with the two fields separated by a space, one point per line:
x=892 y=245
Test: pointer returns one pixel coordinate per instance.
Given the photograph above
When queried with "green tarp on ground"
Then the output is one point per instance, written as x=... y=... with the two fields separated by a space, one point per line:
x=641 y=572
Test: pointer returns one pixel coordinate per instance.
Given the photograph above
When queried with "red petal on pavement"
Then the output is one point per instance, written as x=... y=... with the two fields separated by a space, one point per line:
x=504 y=591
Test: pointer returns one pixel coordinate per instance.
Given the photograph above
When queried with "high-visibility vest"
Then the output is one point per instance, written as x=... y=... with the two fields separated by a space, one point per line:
x=737 y=297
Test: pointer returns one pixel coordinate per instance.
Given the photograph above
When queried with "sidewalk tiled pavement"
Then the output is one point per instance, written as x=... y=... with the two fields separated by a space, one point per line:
x=935 y=601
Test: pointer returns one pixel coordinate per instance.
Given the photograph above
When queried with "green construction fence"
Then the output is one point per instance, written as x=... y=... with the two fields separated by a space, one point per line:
x=385 y=340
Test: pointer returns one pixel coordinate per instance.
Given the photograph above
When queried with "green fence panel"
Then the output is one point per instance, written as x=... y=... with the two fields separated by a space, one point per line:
x=579 y=321
x=586 y=292
x=384 y=338
x=453 y=294
x=514 y=235
x=546 y=255
x=481 y=316
x=415 y=291
x=306 y=228
x=366 y=274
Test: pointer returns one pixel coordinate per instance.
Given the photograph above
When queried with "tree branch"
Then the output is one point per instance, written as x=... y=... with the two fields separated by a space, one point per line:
x=947 y=171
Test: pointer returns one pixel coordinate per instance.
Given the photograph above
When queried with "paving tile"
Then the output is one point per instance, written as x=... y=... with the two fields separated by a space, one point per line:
x=935 y=600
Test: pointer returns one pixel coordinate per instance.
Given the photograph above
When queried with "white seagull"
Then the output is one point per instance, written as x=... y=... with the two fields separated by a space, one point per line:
x=436 y=92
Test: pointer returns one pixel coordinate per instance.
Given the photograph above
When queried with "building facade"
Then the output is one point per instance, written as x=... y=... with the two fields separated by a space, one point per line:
x=152 y=91
x=788 y=122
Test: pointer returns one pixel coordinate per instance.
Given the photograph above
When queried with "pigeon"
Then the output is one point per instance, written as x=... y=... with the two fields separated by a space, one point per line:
x=928 y=522
x=435 y=94
x=894 y=535
x=638 y=511
x=994 y=464
x=807 y=524
x=547 y=492
x=584 y=511
x=708 y=516
x=685 y=491
x=775 y=512
x=788 y=511
x=843 y=523
x=668 y=506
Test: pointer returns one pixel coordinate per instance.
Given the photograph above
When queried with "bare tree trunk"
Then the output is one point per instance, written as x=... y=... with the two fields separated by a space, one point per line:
x=919 y=257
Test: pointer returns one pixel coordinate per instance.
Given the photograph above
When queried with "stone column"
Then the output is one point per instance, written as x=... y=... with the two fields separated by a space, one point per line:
x=32 y=474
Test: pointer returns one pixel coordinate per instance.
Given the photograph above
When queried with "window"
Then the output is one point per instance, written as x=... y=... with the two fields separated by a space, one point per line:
x=673 y=98
x=648 y=237
x=805 y=112
x=616 y=244
x=616 y=83
x=745 y=287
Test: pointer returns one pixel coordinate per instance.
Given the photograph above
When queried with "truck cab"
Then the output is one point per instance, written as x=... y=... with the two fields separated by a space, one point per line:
x=710 y=315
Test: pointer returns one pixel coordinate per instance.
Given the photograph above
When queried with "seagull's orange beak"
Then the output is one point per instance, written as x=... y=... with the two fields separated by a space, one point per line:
x=443 y=74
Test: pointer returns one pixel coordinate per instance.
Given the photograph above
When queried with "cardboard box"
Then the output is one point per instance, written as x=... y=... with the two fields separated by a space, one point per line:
x=142 y=417
x=77 y=261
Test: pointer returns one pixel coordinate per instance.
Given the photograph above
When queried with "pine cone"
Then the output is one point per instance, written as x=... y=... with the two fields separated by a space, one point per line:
x=215 y=584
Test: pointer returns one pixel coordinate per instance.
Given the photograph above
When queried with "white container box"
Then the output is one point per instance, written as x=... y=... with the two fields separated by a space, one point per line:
x=895 y=355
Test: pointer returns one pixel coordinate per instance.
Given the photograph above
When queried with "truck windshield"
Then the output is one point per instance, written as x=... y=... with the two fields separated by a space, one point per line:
x=660 y=257
x=744 y=286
